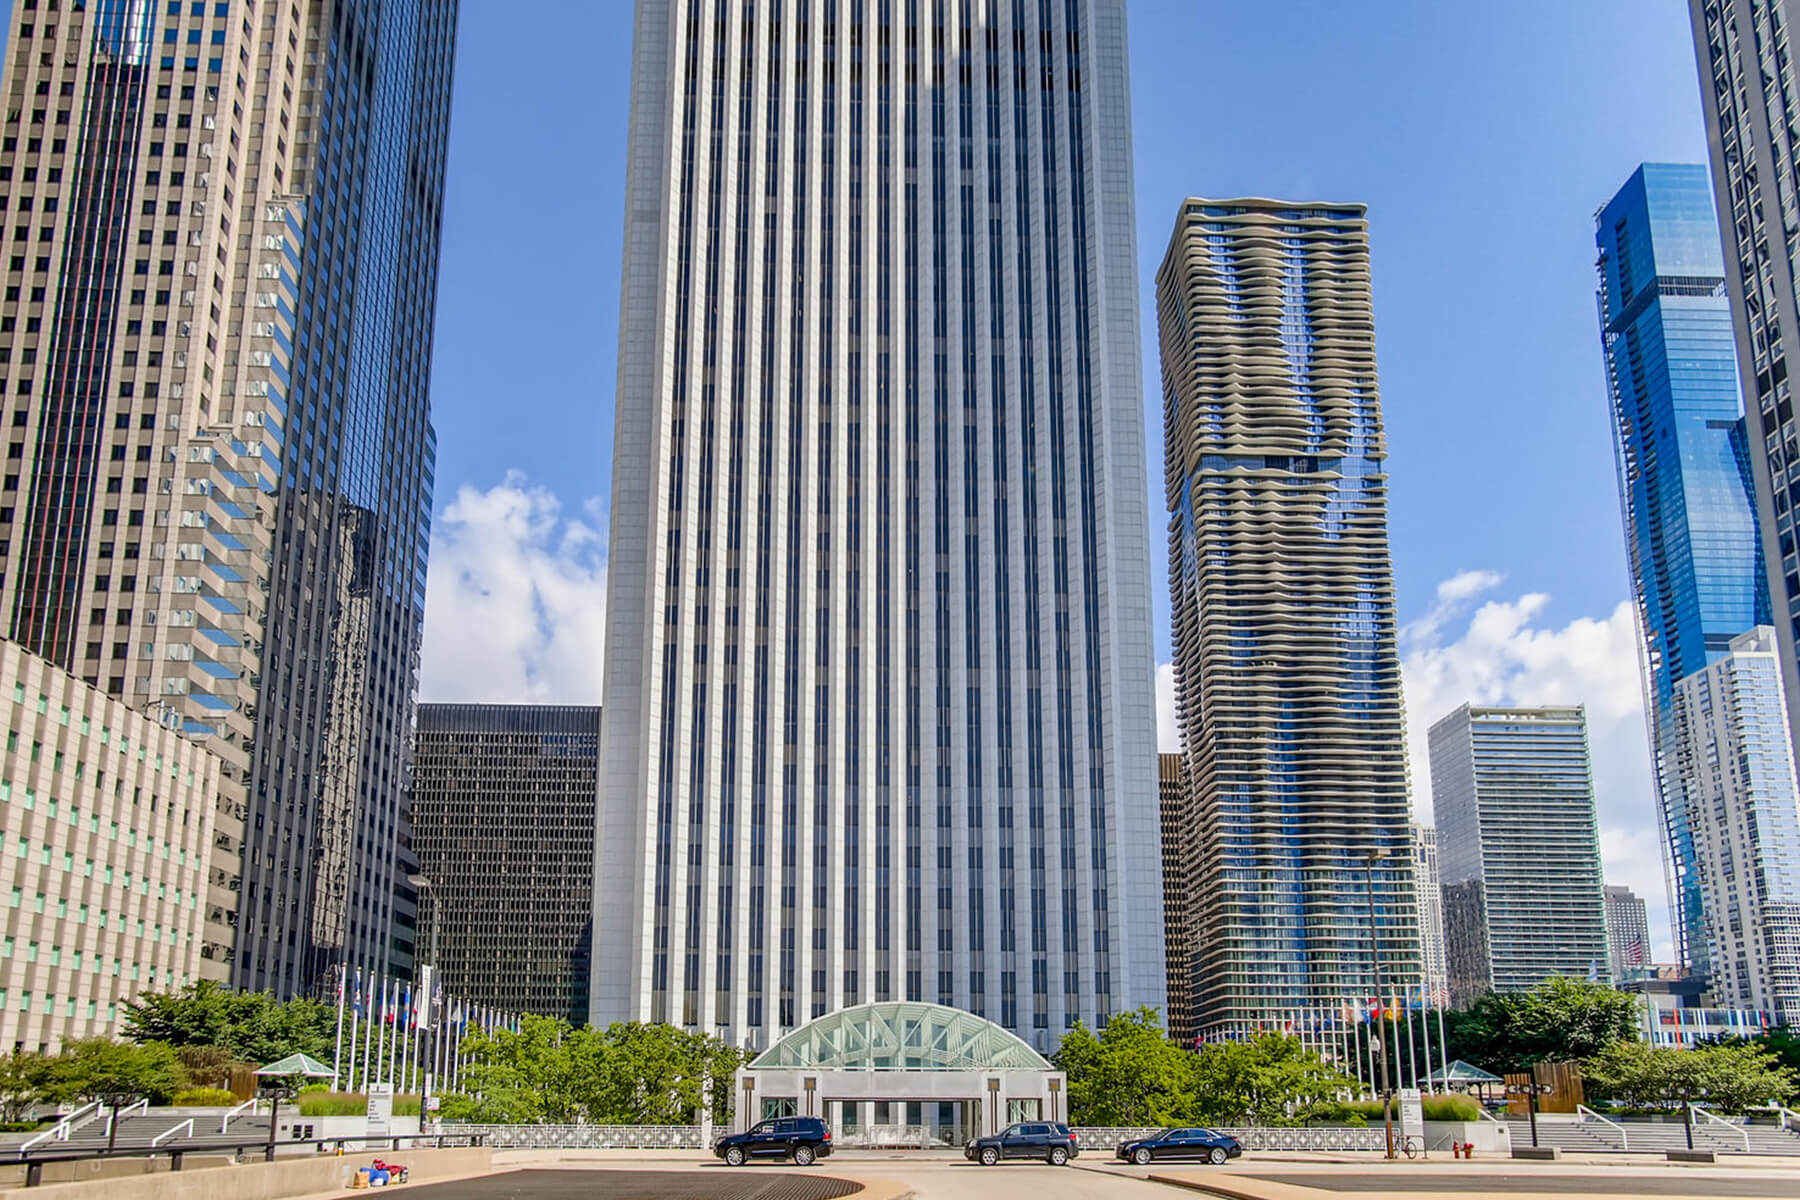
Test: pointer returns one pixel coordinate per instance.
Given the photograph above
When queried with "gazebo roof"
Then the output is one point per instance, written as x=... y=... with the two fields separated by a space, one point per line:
x=1462 y=1072
x=298 y=1064
x=902 y=1036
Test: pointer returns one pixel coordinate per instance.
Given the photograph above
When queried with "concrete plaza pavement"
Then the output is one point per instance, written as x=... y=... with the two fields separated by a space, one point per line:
x=688 y=1175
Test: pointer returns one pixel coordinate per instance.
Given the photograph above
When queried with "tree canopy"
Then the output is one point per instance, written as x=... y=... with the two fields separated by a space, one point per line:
x=252 y=1027
x=1131 y=1073
x=1732 y=1077
x=91 y=1068
x=630 y=1073
x=1559 y=1020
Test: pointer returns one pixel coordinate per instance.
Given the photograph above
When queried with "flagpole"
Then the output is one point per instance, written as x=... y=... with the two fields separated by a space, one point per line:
x=355 y=1013
x=1442 y=996
x=337 y=1045
x=1425 y=1019
x=1412 y=1047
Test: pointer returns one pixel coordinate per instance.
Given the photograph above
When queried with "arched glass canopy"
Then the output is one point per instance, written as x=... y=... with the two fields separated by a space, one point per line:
x=901 y=1036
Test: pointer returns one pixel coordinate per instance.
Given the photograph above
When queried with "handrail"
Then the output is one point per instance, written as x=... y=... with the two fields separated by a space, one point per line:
x=1718 y=1120
x=1782 y=1113
x=61 y=1130
x=1482 y=1112
x=34 y=1163
x=172 y=1130
x=1584 y=1112
x=88 y=1112
x=226 y=1119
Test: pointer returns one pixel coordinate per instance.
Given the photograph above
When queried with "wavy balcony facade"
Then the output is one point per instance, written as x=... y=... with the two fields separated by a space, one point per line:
x=1288 y=677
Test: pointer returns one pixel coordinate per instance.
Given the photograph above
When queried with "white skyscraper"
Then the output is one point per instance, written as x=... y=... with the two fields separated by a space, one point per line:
x=1737 y=766
x=878 y=675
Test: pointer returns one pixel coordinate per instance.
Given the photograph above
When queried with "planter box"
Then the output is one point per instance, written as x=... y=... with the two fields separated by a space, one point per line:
x=1546 y=1153
x=1699 y=1156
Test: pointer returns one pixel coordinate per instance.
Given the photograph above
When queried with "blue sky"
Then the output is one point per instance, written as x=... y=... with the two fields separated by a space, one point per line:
x=1482 y=138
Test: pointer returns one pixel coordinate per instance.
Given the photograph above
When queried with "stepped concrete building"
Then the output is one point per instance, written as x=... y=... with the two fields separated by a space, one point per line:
x=1518 y=849
x=1627 y=933
x=878 y=678
x=106 y=818
x=215 y=337
x=1748 y=93
x=1738 y=768
x=1287 y=675
x=503 y=826
x=1685 y=486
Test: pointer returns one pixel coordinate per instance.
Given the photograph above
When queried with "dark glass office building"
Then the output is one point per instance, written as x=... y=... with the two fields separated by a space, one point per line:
x=1685 y=485
x=220 y=273
x=503 y=825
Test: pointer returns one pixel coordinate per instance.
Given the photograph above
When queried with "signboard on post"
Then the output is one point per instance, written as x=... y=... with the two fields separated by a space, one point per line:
x=424 y=1008
x=1412 y=1113
x=381 y=1108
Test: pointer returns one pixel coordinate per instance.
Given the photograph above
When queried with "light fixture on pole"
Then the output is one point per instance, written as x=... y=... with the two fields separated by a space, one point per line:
x=428 y=983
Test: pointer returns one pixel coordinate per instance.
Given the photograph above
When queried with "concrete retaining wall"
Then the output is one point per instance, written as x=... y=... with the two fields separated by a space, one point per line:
x=256 y=1181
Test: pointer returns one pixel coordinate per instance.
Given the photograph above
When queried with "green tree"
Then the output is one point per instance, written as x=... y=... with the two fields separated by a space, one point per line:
x=23 y=1080
x=1559 y=1020
x=1732 y=1077
x=1267 y=1081
x=250 y=1026
x=1131 y=1074
x=90 y=1068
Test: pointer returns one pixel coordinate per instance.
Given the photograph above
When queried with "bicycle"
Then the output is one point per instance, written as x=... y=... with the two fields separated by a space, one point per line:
x=1413 y=1146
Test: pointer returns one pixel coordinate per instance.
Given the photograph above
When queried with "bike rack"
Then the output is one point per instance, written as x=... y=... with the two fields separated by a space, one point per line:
x=173 y=1130
x=1584 y=1112
x=1716 y=1120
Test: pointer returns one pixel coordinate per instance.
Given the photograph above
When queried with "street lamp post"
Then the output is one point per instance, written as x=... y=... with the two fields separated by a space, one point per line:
x=276 y=1092
x=1531 y=1092
x=116 y=1101
x=423 y=885
x=1387 y=1094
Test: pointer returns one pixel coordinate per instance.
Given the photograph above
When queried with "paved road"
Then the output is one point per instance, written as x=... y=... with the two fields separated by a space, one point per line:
x=706 y=1184
x=1612 y=1182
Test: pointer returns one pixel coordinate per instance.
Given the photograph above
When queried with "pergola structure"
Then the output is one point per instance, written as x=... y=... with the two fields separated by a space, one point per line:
x=902 y=1073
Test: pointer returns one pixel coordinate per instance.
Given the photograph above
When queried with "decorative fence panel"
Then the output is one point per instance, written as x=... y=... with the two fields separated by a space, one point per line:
x=587 y=1137
x=1315 y=1137
x=1094 y=1139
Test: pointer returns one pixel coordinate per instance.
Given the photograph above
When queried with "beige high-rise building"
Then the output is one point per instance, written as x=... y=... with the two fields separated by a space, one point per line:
x=106 y=827
x=220 y=252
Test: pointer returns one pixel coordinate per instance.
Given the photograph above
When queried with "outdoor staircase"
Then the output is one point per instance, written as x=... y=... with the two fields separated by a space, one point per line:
x=1653 y=1137
x=142 y=1130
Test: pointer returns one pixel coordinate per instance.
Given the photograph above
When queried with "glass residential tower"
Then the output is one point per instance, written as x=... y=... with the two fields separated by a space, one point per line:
x=1287 y=671
x=1685 y=486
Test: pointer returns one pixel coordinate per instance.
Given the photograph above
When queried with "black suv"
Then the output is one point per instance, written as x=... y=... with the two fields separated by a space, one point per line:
x=800 y=1138
x=1047 y=1140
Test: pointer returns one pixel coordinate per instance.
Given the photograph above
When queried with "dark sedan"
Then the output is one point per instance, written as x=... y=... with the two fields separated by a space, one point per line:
x=1191 y=1143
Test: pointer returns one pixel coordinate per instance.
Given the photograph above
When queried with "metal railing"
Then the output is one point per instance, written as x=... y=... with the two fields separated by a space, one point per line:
x=1718 y=1120
x=1584 y=1112
x=66 y=1125
x=226 y=1119
x=172 y=1130
x=34 y=1162
x=1783 y=1115
x=122 y=1113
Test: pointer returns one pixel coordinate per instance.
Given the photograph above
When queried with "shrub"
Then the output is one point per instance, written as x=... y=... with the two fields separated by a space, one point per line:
x=333 y=1104
x=407 y=1106
x=22 y=1126
x=203 y=1097
x=1452 y=1108
x=313 y=1089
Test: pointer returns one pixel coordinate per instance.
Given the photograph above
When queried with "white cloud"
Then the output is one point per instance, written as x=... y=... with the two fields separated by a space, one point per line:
x=1168 y=732
x=515 y=603
x=1504 y=653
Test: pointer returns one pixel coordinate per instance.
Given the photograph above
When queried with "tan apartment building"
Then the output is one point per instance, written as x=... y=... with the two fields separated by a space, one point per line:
x=107 y=819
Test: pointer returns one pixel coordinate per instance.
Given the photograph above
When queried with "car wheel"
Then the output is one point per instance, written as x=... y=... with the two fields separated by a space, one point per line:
x=803 y=1156
x=734 y=1156
x=1059 y=1155
x=1141 y=1157
x=989 y=1156
x=1217 y=1157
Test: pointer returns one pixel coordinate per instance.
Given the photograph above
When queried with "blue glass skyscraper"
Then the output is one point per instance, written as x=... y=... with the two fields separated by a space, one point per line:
x=1684 y=470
